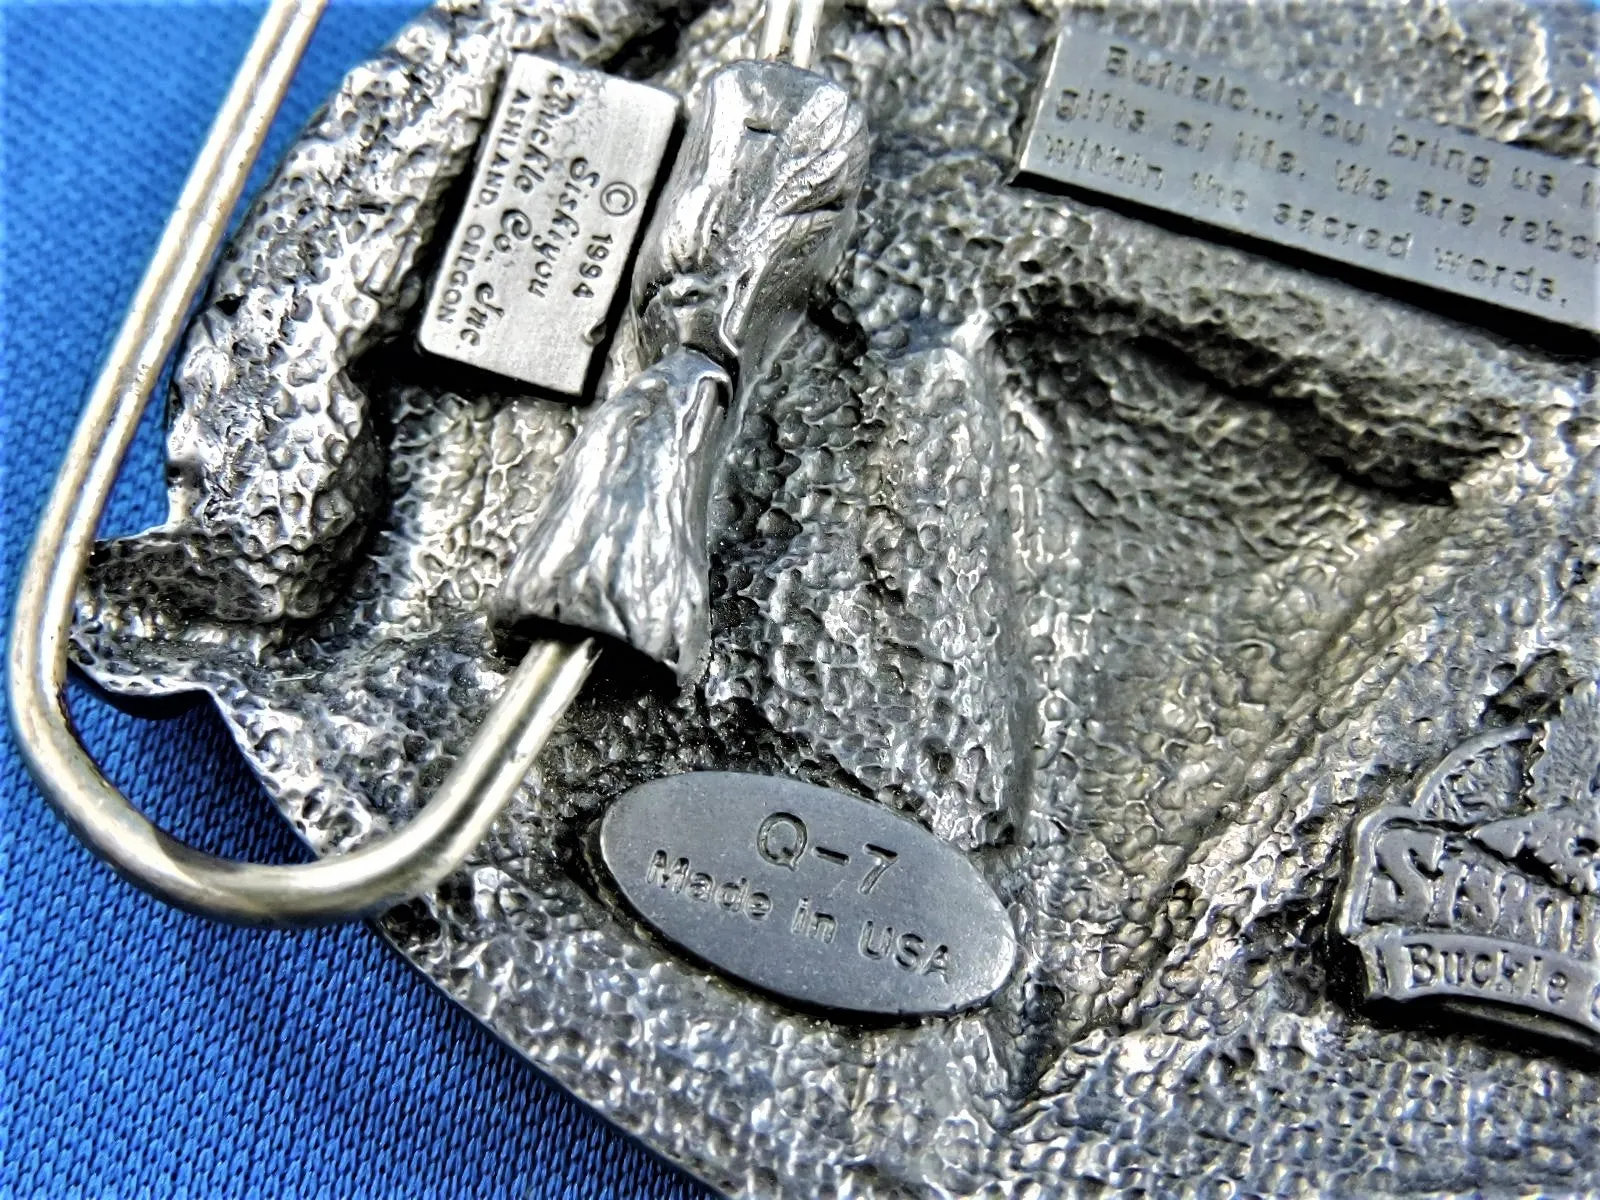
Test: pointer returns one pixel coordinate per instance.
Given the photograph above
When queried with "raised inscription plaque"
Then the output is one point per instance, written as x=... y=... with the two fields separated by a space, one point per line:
x=813 y=894
x=564 y=172
x=1416 y=201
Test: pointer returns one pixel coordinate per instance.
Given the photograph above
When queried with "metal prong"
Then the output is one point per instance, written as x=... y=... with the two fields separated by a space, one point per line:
x=790 y=30
x=373 y=877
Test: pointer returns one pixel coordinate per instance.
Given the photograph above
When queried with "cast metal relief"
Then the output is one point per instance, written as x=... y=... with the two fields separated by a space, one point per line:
x=1143 y=570
x=752 y=222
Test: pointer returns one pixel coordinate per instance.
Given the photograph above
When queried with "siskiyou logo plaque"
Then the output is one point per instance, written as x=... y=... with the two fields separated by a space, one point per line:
x=1483 y=894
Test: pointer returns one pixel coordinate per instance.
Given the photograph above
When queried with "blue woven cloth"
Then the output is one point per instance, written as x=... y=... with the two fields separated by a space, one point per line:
x=147 y=1052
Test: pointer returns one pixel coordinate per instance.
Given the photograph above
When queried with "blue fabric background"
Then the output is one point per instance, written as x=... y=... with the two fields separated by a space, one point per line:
x=146 y=1051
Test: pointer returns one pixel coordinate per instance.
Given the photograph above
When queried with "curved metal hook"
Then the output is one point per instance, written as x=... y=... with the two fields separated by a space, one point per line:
x=353 y=885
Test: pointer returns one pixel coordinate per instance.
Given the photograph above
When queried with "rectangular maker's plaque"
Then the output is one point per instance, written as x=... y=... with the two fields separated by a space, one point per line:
x=1416 y=201
x=564 y=172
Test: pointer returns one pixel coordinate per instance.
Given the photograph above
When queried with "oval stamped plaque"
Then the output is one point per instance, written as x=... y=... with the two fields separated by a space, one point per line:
x=813 y=894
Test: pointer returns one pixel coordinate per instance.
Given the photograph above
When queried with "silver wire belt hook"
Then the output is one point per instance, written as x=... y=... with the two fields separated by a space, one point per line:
x=691 y=348
x=369 y=879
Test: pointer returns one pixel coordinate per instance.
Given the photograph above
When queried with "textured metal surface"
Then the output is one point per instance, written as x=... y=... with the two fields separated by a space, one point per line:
x=556 y=202
x=1412 y=200
x=751 y=224
x=1131 y=564
x=813 y=894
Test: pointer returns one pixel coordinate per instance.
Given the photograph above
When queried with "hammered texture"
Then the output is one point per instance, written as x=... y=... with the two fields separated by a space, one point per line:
x=1133 y=564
